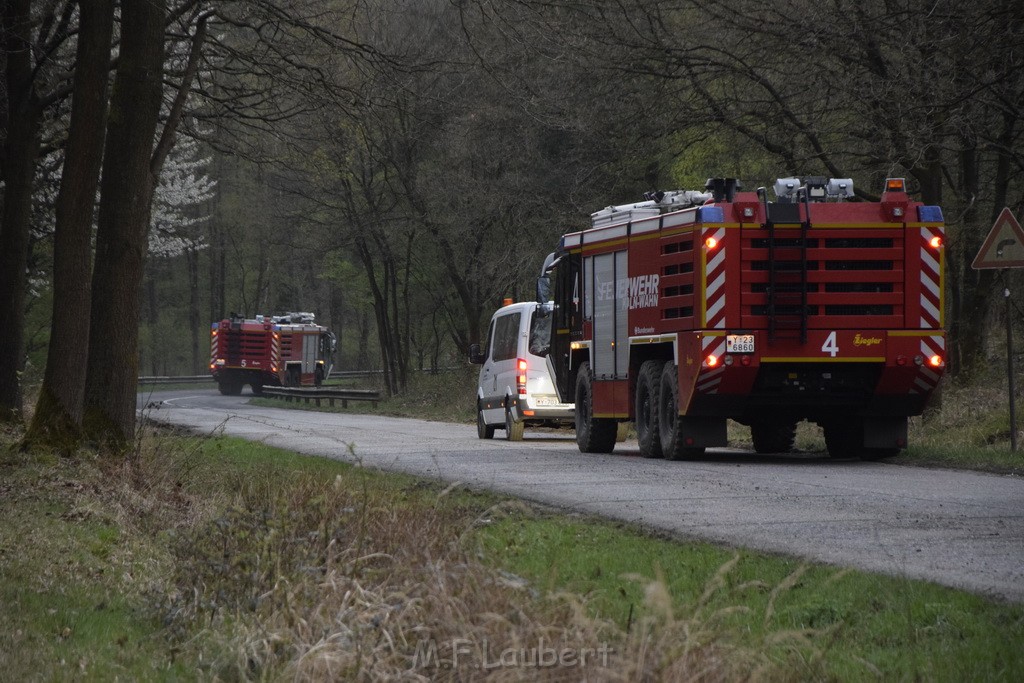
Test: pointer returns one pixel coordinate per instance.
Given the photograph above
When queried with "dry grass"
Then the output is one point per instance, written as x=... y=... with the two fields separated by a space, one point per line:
x=314 y=578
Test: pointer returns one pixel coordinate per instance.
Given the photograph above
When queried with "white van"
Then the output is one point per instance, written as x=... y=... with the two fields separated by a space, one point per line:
x=515 y=387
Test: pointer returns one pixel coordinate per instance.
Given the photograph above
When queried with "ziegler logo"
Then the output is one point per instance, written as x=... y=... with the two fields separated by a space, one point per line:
x=866 y=341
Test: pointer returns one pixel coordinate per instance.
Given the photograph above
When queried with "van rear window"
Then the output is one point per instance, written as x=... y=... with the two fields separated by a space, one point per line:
x=506 y=332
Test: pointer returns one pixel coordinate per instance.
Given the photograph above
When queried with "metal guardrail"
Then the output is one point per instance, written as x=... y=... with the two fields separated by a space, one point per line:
x=335 y=374
x=290 y=394
x=189 y=379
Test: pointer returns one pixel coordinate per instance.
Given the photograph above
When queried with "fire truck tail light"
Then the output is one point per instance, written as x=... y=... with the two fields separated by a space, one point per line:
x=711 y=243
x=744 y=360
x=936 y=361
x=935 y=242
x=901 y=360
x=711 y=361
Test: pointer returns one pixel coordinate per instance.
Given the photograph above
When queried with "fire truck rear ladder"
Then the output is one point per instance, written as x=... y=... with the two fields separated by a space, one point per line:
x=787 y=272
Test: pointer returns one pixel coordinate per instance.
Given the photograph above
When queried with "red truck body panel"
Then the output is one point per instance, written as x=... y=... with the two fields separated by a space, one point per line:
x=842 y=302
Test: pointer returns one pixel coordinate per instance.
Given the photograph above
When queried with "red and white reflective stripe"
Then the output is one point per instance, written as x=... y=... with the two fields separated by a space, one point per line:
x=275 y=350
x=931 y=280
x=709 y=378
x=927 y=378
x=714 y=287
x=213 y=347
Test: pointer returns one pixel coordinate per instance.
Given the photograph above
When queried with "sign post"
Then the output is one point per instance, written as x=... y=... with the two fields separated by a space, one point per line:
x=1009 y=372
x=1004 y=248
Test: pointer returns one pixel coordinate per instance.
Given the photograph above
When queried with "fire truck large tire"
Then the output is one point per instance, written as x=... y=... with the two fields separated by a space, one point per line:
x=483 y=430
x=843 y=440
x=318 y=378
x=257 y=388
x=670 y=424
x=513 y=430
x=773 y=437
x=648 y=385
x=593 y=434
x=229 y=387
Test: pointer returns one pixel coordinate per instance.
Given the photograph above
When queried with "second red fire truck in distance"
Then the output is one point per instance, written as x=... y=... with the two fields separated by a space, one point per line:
x=288 y=350
x=692 y=308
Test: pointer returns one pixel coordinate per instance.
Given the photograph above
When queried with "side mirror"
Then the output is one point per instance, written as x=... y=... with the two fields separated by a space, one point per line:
x=475 y=355
x=543 y=289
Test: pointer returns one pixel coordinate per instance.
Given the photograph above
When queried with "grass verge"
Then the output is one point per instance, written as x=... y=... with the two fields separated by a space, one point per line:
x=219 y=558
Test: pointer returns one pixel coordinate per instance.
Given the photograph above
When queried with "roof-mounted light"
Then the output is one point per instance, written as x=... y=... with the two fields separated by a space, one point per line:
x=895 y=185
x=840 y=188
x=785 y=188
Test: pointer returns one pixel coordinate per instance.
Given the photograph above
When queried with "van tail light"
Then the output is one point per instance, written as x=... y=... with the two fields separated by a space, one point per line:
x=521 y=376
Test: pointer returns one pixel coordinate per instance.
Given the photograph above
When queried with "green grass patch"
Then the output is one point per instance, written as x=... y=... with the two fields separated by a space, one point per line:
x=73 y=581
x=812 y=620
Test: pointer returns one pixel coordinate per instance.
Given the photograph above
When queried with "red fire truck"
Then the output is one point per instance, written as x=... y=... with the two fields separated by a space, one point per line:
x=692 y=308
x=287 y=350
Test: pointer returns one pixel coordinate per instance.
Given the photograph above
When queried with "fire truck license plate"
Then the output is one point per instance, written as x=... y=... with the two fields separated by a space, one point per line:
x=739 y=343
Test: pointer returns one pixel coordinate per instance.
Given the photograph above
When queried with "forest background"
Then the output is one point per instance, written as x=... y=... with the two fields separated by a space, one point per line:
x=400 y=166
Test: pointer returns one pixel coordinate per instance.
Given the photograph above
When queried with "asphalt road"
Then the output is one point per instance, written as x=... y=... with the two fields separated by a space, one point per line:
x=956 y=528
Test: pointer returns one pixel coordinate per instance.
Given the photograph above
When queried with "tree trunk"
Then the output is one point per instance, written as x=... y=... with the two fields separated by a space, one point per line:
x=192 y=258
x=21 y=148
x=218 y=265
x=58 y=417
x=126 y=194
x=152 y=316
x=970 y=332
